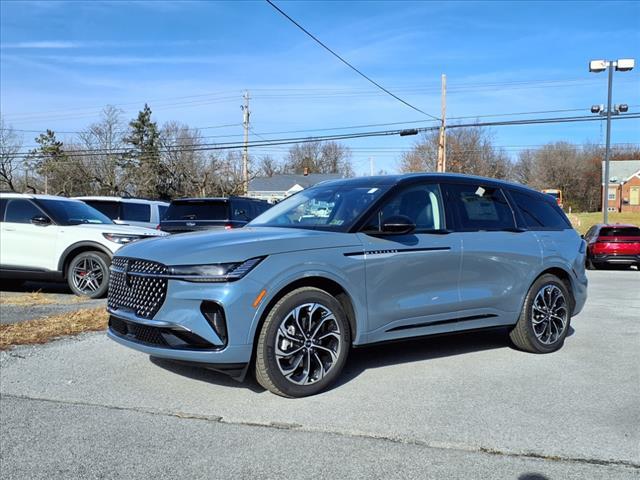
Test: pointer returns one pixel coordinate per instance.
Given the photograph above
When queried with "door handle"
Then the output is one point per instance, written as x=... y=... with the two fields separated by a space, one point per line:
x=8 y=229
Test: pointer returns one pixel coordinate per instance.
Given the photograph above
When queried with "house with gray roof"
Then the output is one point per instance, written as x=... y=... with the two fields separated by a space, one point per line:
x=278 y=187
x=623 y=191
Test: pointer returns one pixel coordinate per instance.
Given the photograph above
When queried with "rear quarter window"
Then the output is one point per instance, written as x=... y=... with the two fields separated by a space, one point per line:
x=537 y=213
x=110 y=209
x=136 y=212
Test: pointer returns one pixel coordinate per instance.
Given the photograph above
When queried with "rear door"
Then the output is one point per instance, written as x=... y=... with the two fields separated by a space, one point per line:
x=25 y=245
x=412 y=279
x=499 y=260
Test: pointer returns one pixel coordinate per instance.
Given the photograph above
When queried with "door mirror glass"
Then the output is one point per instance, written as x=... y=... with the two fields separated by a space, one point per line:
x=397 y=225
x=41 y=220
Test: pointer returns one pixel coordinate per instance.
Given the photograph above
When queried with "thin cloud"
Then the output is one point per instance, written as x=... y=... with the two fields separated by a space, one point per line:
x=64 y=44
x=55 y=44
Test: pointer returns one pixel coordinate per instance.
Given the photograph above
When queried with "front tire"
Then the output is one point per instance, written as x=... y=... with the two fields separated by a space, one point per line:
x=545 y=317
x=88 y=274
x=303 y=344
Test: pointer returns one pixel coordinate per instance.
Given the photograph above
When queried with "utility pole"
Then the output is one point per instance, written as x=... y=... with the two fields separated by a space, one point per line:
x=245 y=151
x=442 y=141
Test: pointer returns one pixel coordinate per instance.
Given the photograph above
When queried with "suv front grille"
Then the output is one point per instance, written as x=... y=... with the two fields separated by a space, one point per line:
x=138 y=294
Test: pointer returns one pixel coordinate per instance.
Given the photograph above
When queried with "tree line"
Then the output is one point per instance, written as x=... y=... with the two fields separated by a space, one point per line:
x=574 y=169
x=143 y=159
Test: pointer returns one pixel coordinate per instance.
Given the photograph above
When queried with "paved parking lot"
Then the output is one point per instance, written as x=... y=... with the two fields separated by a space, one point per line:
x=465 y=406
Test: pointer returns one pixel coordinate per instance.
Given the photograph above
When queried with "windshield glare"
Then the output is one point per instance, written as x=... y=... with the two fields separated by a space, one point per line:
x=324 y=207
x=69 y=212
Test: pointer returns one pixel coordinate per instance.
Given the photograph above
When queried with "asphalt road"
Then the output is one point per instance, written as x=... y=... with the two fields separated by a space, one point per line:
x=464 y=406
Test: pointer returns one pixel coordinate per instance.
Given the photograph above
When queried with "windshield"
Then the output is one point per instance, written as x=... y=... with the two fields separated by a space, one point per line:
x=323 y=207
x=70 y=212
x=198 y=210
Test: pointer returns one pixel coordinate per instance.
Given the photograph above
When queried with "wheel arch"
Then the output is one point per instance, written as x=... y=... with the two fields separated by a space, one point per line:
x=72 y=250
x=328 y=285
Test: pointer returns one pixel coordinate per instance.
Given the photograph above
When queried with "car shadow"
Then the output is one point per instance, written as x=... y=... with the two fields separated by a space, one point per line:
x=42 y=287
x=370 y=356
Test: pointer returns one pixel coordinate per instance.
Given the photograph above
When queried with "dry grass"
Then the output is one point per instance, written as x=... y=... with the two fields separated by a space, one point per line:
x=583 y=221
x=44 y=329
x=33 y=298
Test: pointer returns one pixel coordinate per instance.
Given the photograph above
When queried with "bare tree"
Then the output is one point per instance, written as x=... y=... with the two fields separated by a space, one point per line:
x=470 y=150
x=319 y=157
x=10 y=159
x=268 y=166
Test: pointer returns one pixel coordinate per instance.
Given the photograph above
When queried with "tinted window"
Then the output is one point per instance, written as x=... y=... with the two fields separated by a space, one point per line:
x=162 y=211
x=537 y=213
x=480 y=207
x=198 y=210
x=3 y=207
x=110 y=209
x=620 y=232
x=136 y=212
x=242 y=210
x=20 y=211
x=72 y=212
x=421 y=203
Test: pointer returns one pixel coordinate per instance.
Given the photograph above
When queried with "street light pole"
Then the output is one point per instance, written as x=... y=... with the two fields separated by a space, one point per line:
x=596 y=66
x=607 y=150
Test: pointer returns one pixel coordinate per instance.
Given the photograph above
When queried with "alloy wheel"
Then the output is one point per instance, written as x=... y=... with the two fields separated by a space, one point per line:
x=550 y=314
x=87 y=275
x=308 y=343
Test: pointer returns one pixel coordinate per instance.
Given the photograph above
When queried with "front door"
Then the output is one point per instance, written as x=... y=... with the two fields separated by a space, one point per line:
x=25 y=245
x=412 y=279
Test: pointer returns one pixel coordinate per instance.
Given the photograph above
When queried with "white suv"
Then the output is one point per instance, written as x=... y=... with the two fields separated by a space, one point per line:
x=44 y=237
x=129 y=211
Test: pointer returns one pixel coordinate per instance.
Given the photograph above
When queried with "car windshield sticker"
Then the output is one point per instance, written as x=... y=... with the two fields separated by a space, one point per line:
x=480 y=191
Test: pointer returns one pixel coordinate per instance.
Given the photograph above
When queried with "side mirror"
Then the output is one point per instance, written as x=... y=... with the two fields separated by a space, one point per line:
x=41 y=220
x=398 y=225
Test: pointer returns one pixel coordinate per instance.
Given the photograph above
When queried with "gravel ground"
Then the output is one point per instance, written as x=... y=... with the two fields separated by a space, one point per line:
x=464 y=406
x=63 y=302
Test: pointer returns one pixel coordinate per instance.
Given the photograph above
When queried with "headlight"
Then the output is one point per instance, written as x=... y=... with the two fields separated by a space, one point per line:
x=215 y=272
x=121 y=237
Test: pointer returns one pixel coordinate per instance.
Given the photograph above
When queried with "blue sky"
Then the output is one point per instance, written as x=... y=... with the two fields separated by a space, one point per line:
x=61 y=62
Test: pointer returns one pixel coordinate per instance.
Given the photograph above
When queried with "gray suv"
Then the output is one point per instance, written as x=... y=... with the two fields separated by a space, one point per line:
x=349 y=263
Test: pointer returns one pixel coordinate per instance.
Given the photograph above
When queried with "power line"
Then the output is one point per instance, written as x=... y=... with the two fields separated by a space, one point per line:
x=347 y=63
x=290 y=141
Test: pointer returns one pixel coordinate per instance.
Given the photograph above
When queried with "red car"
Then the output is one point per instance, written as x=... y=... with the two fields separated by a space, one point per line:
x=613 y=245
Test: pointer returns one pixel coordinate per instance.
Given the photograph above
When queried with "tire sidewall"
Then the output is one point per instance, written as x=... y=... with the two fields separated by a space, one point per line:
x=270 y=328
x=544 y=281
x=103 y=260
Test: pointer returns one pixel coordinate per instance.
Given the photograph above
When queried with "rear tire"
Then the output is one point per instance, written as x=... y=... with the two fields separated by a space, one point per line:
x=545 y=317
x=88 y=274
x=303 y=344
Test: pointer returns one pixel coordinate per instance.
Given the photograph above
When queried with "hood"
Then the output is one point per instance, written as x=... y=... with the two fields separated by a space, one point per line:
x=234 y=245
x=125 y=229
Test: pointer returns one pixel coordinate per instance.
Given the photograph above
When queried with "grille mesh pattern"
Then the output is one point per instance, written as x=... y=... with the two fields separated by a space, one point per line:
x=141 y=295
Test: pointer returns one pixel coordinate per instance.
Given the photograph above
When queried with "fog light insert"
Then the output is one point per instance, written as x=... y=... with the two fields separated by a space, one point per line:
x=215 y=317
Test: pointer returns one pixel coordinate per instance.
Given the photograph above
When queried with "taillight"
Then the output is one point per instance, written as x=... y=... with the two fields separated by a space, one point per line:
x=228 y=226
x=158 y=227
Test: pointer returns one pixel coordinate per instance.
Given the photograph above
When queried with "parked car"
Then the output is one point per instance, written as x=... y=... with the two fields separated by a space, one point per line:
x=613 y=245
x=397 y=257
x=55 y=238
x=192 y=214
x=129 y=211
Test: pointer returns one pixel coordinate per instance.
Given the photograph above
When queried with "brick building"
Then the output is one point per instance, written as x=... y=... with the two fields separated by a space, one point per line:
x=623 y=192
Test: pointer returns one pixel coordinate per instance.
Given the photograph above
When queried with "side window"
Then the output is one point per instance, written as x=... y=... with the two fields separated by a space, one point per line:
x=241 y=210
x=162 y=211
x=421 y=203
x=20 y=211
x=136 y=212
x=480 y=207
x=537 y=213
x=110 y=209
x=3 y=208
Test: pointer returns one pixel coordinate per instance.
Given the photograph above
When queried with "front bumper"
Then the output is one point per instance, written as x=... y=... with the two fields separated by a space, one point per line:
x=180 y=319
